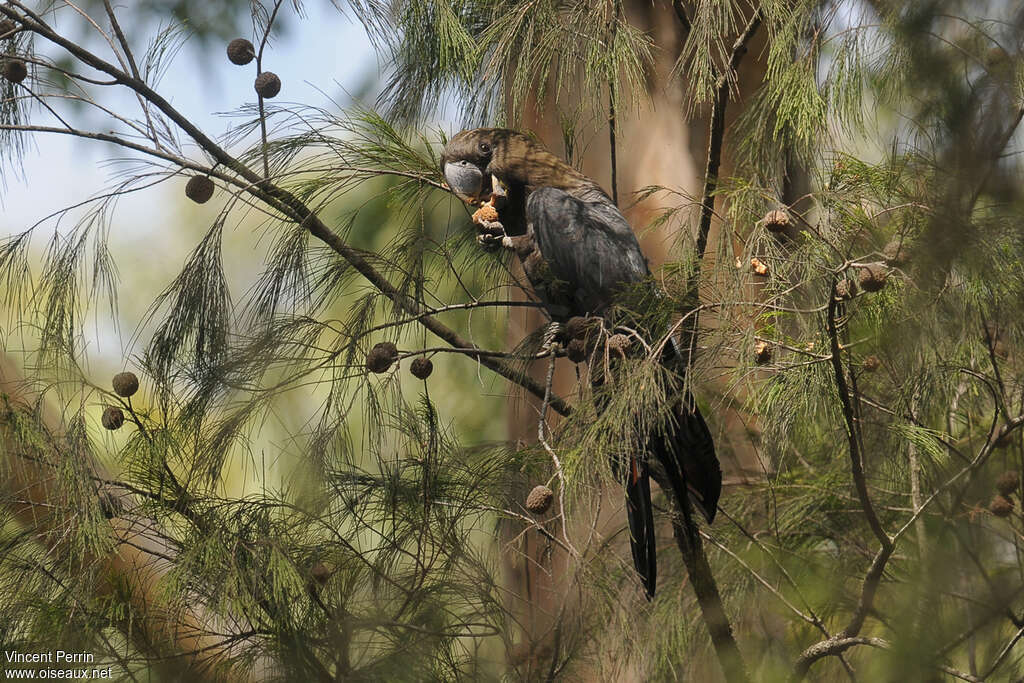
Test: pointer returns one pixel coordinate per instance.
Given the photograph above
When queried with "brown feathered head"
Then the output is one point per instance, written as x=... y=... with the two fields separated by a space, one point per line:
x=466 y=158
x=474 y=159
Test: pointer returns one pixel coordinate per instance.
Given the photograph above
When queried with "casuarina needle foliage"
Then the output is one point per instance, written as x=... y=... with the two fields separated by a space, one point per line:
x=829 y=265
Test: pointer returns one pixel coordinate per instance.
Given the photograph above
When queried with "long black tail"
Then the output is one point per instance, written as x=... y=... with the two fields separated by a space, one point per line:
x=640 y=514
x=687 y=452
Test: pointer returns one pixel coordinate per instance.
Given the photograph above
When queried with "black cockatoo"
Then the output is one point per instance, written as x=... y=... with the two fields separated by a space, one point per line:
x=578 y=253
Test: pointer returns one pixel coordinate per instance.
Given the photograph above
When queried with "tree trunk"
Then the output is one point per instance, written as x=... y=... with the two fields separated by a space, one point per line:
x=656 y=145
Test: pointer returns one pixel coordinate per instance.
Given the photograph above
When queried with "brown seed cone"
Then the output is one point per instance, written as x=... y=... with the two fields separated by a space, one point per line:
x=241 y=51
x=539 y=500
x=267 y=84
x=15 y=70
x=872 y=363
x=421 y=368
x=776 y=220
x=320 y=573
x=897 y=252
x=125 y=384
x=579 y=327
x=199 y=189
x=846 y=289
x=762 y=352
x=381 y=357
x=576 y=350
x=7 y=26
x=112 y=418
x=1008 y=482
x=619 y=343
x=873 y=277
x=1001 y=506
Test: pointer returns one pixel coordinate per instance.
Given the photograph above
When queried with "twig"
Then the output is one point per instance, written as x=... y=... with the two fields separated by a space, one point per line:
x=852 y=428
x=181 y=162
x=45 y=105
x=834 y=647
x=1002 y=655
x=134 y=67
x=848 y=637
x=483 y=353
x=717 y=135
x=915 y=490
x=705 y=588
x=611 y=143
x=259 y=95
x=978 y=461
x=453 y=307
x=530 y=522
x=828 y=648
x=684 y=19
x=541 y=425
x=990 y=344
x=612 y=123
x=813 y=620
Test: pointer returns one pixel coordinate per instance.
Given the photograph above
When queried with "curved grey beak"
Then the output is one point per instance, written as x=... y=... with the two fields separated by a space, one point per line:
x=465 y=180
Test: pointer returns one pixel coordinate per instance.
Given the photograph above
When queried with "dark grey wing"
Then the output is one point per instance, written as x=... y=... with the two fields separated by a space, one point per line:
x=588 y=247
x=687 y=447
x=687 y=442
x=589 y=254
